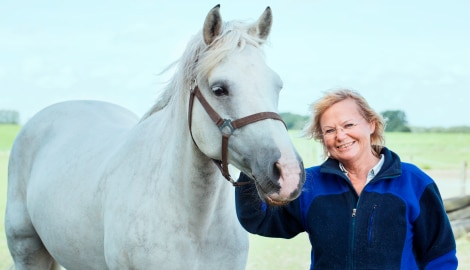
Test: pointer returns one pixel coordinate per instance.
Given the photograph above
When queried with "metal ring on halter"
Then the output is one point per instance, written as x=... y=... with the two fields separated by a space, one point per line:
x=226 y=127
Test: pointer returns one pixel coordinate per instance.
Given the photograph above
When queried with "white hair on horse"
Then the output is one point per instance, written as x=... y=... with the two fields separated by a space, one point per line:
x=198 y=58
x=92 y=187
x=235 y=35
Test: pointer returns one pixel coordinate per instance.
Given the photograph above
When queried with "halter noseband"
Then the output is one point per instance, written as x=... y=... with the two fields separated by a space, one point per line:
x=226 y=126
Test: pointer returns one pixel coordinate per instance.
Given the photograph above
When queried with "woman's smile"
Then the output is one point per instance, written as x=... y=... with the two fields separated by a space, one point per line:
x=345 y=146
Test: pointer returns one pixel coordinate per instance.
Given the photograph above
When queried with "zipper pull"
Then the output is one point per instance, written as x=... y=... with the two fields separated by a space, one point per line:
x=354 y=212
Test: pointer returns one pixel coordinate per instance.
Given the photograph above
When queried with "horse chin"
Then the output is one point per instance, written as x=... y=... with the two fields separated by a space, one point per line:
x=271 y=198
x=282 y=183
x=275 y=202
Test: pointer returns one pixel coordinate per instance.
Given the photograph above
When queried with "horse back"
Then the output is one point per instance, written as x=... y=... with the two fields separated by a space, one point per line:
x=68 y=130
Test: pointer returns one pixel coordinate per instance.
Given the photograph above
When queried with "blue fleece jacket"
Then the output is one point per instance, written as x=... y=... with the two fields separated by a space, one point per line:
x=398 y=221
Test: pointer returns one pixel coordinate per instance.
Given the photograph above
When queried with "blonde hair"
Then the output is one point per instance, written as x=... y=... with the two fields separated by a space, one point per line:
x=313 y=127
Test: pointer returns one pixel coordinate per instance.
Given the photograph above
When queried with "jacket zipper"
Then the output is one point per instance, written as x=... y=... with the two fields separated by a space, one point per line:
x=353 y=216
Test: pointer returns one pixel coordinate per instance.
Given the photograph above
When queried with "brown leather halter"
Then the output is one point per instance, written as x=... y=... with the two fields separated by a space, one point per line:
x=226 y=126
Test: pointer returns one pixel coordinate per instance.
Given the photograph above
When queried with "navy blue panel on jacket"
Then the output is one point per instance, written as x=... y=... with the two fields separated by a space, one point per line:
x=398 y=221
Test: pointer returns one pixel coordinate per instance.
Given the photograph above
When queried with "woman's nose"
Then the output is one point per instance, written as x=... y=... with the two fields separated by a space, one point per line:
x=340 y=132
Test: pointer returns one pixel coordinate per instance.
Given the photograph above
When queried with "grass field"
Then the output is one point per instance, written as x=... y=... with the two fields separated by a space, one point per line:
x=430 y=151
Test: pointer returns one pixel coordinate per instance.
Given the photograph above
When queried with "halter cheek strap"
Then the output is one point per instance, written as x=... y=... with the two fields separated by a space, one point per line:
x=226 y=127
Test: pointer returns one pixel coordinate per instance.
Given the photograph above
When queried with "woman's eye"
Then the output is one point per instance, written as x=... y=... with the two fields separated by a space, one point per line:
x=330 y=131
x=349 y=126
x=219 y=91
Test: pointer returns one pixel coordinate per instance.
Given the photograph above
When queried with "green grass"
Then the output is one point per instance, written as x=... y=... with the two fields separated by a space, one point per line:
x=442 y=151
x=7 y=136
x=274 y=253
x=5 y=259
x=428 y=150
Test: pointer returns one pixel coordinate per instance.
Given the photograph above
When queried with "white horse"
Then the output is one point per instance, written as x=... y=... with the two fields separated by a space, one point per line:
x=92 y=187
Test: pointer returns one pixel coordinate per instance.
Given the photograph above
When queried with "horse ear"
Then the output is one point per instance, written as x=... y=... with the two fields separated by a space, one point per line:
x=263 y=26
x=212 y=25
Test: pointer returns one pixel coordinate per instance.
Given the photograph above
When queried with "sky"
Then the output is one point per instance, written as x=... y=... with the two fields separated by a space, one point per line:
x=404 y=55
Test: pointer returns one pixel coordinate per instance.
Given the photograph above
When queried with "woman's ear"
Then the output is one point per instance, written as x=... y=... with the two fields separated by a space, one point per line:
x=372 y=127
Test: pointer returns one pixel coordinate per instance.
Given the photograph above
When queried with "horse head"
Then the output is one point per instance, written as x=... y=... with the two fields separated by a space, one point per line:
x=237 y=96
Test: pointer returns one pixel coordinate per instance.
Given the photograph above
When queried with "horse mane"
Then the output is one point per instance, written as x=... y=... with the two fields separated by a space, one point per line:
x=198 y=58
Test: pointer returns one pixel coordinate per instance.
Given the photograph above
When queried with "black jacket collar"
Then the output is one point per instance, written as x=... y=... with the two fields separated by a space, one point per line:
x=391 y=167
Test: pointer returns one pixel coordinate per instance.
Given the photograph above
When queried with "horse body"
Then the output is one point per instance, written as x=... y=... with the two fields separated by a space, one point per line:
x=63 y=199
x=92 y=187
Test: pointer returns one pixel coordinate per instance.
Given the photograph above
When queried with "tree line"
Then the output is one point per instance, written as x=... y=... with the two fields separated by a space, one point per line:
x=9 y=117
x=395 y=122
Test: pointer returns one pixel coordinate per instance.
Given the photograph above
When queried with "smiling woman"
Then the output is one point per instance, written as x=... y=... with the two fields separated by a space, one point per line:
x=389 y=212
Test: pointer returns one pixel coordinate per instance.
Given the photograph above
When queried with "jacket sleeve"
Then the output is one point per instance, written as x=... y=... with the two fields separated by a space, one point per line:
x=433 y=237
x=258 y=218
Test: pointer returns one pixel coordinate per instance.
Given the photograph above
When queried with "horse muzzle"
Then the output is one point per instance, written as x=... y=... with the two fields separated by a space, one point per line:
x=283 y=185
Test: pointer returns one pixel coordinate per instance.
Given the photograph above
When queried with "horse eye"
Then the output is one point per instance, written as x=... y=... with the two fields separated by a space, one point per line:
x=219 y=91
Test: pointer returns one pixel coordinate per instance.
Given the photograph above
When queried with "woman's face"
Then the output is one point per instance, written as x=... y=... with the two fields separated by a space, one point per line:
x=346 y=133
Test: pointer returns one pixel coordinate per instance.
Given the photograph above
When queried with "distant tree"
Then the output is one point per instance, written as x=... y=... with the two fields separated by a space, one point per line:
x=294 y=121
x=455 y=129
x=458 y=129
x=396 y=121
x=9 y=117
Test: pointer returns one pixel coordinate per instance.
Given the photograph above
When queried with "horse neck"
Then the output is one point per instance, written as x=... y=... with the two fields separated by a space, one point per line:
x=192 y=176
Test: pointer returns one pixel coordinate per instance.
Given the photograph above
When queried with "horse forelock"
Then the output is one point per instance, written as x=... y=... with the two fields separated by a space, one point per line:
x=235 y=36
x=199 y=59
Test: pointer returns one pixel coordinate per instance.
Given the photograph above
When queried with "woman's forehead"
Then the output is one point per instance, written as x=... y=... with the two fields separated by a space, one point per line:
x=341 y=111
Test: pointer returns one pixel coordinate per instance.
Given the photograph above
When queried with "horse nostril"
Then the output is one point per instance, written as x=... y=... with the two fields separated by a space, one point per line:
x=276 y=172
